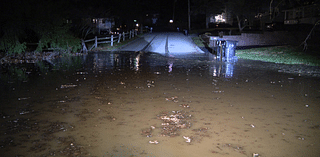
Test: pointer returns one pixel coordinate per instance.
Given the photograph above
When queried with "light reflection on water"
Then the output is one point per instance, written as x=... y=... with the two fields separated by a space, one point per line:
x=110 y=102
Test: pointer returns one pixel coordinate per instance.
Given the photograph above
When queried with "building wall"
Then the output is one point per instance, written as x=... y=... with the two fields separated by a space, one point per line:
x=266 y=38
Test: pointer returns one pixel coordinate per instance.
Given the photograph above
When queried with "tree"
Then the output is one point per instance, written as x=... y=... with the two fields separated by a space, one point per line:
x=243 y=10
x=207 y=7
x=45 y=19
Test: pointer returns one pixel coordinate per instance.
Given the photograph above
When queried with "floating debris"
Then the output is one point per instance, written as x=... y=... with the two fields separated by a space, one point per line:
x=24 y=98
x=24 y=112
x=174 y=99
x=255 y=155
x=184 y=105
x=147 y=132
x=150 y=83
x=68 y=86
x=236 y=148
x=200 y=130
x=154 y=142
x=82 y=73
x=188 y=139
x=172 y=123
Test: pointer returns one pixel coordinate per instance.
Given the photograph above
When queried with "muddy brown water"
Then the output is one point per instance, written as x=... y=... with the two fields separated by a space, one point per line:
x=122 y=104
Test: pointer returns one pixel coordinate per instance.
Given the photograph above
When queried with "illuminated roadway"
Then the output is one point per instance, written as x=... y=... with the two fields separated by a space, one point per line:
x=170 y=43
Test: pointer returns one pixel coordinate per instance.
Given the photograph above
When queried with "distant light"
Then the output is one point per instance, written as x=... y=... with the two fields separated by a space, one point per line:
x=137 y=24
x=147 y=14
x=134 y=20
x=220 y=18
x=171 y=21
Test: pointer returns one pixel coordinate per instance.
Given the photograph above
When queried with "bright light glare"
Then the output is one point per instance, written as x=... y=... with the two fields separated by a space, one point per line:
x=171 y=21
x=219 y=18
x=178 y=44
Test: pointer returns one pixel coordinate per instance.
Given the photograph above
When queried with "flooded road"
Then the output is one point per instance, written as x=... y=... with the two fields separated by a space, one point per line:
x=145 y=104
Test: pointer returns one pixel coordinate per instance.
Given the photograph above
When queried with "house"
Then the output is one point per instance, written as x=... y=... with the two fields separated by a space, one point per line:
x=302 y=15
x=103 y=25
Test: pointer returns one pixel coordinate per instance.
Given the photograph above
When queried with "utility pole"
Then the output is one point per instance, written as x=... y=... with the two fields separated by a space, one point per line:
x=189 y=25
x=174 y=4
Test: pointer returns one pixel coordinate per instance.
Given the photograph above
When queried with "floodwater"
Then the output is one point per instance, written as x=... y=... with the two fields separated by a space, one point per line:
x=116 y=104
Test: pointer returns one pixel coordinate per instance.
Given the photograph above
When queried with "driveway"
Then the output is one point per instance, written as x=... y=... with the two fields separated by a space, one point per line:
x=170 y=43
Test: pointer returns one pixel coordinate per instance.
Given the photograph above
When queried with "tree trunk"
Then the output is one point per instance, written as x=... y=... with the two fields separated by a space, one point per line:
x=207 y=20
x=84 y=48
x=239 y=24
x=304 y=43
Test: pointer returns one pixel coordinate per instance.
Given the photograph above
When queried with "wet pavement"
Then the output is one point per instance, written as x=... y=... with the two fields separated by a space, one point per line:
x=147 y=104
x=165 y=43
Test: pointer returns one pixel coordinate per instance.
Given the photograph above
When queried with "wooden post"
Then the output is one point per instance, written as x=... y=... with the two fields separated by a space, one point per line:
x=84 y=48
x=111 y=40
x=119 y=37
x=133 y=33
x=124 y=36
x=95 y=42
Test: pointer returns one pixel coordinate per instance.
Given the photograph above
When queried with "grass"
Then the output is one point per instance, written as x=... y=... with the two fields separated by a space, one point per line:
x=198 y=41
x=279 y=54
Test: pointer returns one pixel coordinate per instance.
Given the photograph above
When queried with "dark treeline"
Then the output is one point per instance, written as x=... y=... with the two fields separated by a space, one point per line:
x=47 y=23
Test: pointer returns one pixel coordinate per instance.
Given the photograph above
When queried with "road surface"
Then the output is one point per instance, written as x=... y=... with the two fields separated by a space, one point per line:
x=170 y=43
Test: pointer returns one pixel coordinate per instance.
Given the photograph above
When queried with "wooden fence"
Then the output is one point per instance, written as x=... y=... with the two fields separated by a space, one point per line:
x=109 y=39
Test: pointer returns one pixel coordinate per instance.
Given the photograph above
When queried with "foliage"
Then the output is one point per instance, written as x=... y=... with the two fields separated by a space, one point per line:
x=207 y=6
x=243 y=10
x=46 y=19
x=11 y=44
x=279 y=54
x=198 y=41
x=59 y=39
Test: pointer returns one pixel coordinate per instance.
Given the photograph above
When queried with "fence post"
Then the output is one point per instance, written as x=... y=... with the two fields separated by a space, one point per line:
x=124 y=36
x=130 y=35
x=119 y=37
x=84 y=48
x=111 y=40
x=95 y=42
x=133 y=33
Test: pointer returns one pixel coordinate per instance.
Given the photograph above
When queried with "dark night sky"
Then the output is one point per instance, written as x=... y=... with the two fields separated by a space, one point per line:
x=125 y=9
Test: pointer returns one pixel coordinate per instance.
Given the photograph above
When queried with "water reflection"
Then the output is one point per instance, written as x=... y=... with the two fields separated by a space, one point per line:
x=134 y=60
x=15 y=73
x=129 y=100
x=103 y=61
x=224 y=69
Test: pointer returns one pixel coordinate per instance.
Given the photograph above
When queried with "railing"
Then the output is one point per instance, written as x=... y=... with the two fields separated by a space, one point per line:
x=110 y=39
